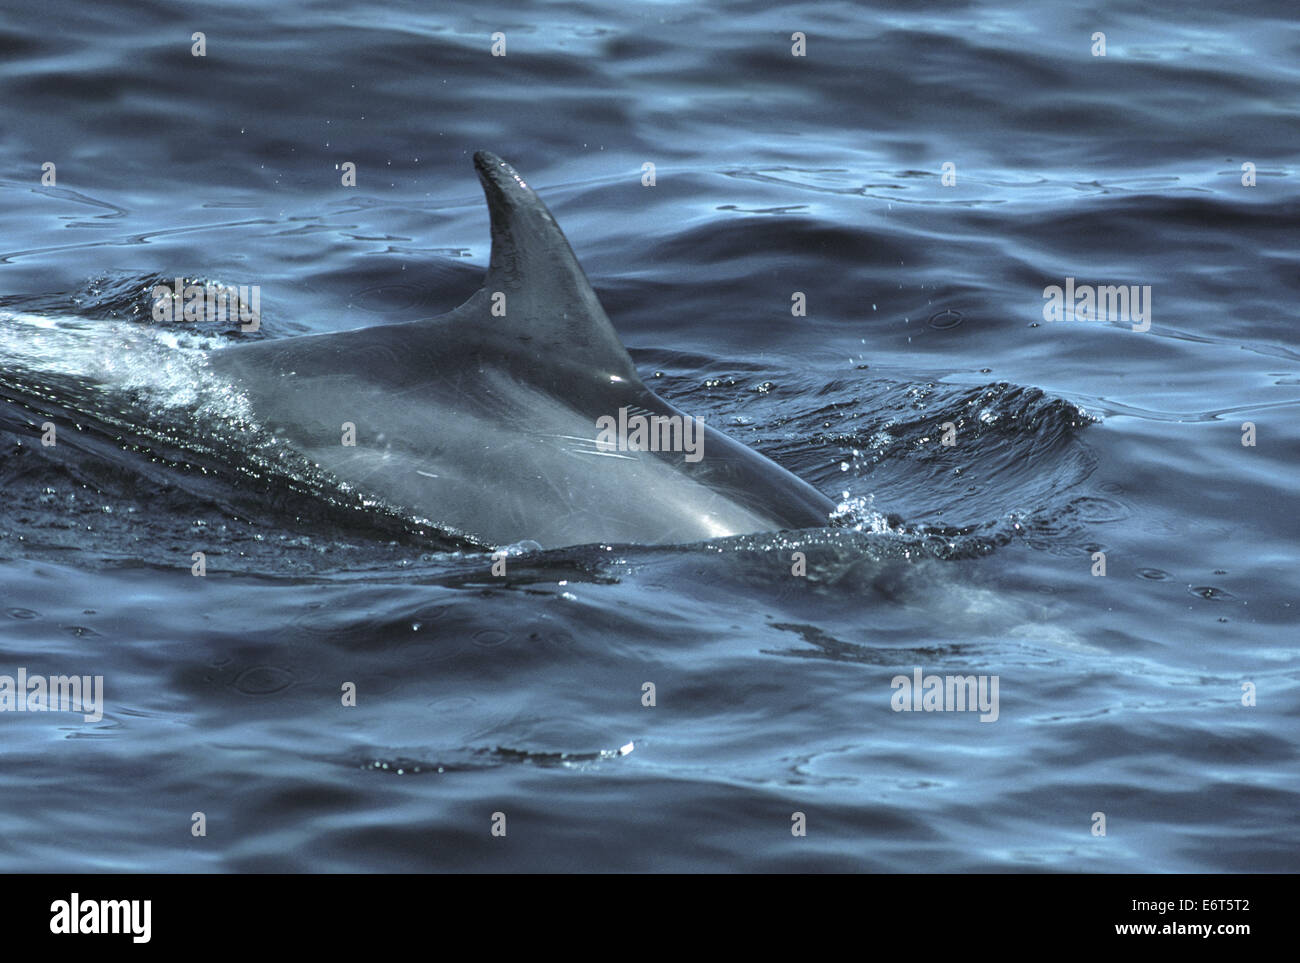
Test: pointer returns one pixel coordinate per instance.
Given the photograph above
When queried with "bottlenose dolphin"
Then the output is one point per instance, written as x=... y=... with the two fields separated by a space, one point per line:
x=486 y=421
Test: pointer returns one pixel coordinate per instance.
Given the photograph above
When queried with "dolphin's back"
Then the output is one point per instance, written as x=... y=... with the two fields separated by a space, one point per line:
x=484 y=420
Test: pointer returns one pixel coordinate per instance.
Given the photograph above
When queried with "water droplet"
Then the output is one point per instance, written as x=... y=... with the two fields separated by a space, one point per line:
x=945 y=320
x=1212 y=594
x=1154 y=574
x=263 y=680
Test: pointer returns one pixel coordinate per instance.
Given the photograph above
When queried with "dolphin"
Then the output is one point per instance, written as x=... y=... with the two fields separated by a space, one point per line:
x=487 y=421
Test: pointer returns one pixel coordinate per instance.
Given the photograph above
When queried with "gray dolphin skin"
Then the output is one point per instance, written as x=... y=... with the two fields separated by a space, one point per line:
x=485 y=422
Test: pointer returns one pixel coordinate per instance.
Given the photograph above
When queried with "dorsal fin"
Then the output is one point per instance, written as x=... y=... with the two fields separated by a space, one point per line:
x=549 y=303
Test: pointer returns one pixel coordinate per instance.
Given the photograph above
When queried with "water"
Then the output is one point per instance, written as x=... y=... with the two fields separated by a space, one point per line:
x=521 y=694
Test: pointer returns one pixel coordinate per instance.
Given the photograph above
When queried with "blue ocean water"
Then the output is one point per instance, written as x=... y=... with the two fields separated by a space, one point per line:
x=1163 y=695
